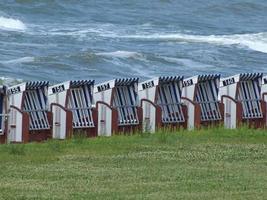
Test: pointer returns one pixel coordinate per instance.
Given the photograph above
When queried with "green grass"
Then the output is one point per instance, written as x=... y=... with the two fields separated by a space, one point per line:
x=205 y=164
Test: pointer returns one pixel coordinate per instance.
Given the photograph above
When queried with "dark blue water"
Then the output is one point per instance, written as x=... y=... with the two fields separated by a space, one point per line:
x=60 y=40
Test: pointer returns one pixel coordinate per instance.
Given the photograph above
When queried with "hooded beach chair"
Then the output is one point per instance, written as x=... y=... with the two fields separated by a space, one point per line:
x=200 y=94
x=29 y=116
x=241 y=95
x=3 y=115
x=73 y=108
x=118 y=106
x=161 y=103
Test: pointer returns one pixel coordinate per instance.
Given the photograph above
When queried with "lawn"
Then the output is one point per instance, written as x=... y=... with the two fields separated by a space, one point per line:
x=206 y=164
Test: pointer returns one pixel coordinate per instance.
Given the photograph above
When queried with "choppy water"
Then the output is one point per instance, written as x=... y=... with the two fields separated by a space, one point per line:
x=60 y=40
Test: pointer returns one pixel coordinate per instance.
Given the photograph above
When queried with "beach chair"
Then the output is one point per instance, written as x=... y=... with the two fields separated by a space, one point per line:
x=161 y=103
x=118 y=106
x=200 y=94
x=29 y=116
x=241 y=95
x=73 y=109
x=3 y=114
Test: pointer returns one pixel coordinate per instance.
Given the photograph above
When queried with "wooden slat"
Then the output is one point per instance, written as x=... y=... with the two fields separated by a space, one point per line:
x=125 y=102
x=206 y=96
x=169 y=99
x=80 y=103
x=249 y=96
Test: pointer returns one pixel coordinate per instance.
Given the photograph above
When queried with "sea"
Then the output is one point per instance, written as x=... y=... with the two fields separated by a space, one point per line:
x=59 y=40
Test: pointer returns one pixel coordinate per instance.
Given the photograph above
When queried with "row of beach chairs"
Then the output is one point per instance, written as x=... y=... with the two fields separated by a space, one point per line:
x=36 y=111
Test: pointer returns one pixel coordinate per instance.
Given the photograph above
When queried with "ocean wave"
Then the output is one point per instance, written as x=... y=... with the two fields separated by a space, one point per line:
x=121 y=54
x=19 y=60
x=79 y=30
x=186 y=62
x=70 y=32
x=11 y=24
x=10 y=81
x=255 y=41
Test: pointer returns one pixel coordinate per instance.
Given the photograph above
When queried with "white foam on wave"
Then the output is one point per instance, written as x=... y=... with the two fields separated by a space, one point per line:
x=75 y=30
x=11 y=24
x=254 y=41
x=19 y=60
x=10 y=81
x=121 y=54
x=190 y=64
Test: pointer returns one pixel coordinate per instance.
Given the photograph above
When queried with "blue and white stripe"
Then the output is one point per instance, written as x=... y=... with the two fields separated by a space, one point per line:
x=32 y=85
x=207 y=90
x=80 y=102
x=168 y=97
x=35 y=103
x=79 y=83
x=125 y=100
x=249 y=94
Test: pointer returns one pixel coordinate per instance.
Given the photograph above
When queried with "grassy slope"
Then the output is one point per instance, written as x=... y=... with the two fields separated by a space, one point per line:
x=209 y=164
